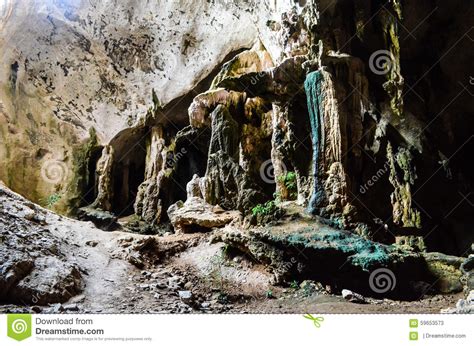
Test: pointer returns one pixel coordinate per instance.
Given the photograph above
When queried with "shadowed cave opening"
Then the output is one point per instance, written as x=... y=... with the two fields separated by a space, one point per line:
x=192 y=147
x=128 y=169
x=191 y=144
x=92 y=178
x=130 y=152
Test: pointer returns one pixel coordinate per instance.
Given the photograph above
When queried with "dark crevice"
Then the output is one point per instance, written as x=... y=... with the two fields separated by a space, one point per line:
x=128 y=170
x=91 y=185
x=14 y=74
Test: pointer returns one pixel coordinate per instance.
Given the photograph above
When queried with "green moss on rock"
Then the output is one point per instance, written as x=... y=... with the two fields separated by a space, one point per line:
x=446 y=270
x=402 y=177
x=359 y=251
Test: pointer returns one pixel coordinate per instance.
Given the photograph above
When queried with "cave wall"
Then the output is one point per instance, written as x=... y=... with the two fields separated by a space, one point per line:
x=69 y=66
x=365 y=102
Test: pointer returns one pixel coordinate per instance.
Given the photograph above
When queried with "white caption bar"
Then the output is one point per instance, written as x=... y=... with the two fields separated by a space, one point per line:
x=238 y=330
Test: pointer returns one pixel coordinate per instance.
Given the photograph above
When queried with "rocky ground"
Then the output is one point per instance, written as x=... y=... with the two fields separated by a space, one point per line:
x=64 y=265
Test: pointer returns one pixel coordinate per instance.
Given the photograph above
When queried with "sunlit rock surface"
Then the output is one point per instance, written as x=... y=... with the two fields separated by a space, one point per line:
x=70 y=65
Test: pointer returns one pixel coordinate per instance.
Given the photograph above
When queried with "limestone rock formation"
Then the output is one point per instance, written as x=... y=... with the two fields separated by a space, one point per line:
x=199 y=114
x=34 y=268
x=447 y=269
x=71 y=66
x=197 y=215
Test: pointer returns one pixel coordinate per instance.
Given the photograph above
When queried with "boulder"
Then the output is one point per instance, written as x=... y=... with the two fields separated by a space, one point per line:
x=332 y=257
x=467 y=268
x=446 y=271
x=197 y=215
x=186 y=297
x=463 y=306
x=352 y=296
x=102 y=219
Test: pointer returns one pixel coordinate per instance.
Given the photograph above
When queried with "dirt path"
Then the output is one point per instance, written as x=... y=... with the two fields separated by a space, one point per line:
x=182 y=273
x=218 y=285
x=104 y=274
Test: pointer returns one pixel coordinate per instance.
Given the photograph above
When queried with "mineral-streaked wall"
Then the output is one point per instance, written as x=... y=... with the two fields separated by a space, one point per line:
x=70 y=65
x=95 y=111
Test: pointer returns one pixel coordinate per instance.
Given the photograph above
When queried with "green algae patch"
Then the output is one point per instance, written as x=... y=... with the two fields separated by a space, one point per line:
x=358 y=251
x=361 y=252
x=314 y=97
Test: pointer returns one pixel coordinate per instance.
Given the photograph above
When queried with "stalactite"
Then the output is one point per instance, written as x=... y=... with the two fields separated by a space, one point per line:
x=313 y=87
x=394 y=84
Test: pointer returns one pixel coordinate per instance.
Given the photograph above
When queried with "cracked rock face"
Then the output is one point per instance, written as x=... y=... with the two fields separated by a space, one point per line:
x=33 y=266
x=67 y=66
x=89 y=56
x=132 y=111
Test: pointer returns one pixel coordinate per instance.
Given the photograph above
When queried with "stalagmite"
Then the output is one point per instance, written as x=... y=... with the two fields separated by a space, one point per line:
x=313 y=84
x=104 y=180
x=330 y=187
x=148 y=204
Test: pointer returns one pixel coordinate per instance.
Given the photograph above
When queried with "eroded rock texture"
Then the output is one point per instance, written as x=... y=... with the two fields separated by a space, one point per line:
x=34 y=267
x=361 y=112
x=70 y=66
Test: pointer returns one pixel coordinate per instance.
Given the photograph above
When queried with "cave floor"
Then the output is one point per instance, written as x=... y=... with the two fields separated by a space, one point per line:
x=126 y=272
x=190 y=262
